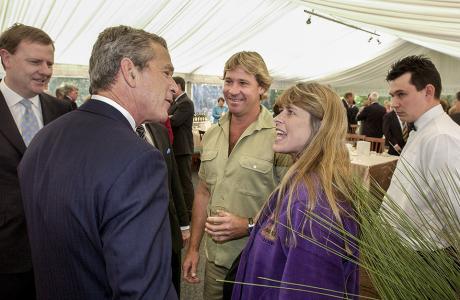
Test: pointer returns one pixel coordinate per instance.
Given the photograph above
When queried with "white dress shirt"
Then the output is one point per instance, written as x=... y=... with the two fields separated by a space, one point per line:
x=431 y=151
x=17 y=109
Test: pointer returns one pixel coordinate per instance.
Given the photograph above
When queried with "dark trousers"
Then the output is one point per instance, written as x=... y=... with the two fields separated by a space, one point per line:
x=17 y=286
x=176 y=271
x=184 y=168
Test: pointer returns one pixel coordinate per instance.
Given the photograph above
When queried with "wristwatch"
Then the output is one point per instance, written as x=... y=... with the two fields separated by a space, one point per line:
x=250 y=225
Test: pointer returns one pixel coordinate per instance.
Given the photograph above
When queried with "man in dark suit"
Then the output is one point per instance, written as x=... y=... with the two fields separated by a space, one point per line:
x=157 y=135
x=27 y=55
x=70 y=92
x=352 y=111
x=95 y=194
x=372 y=117
x=181 y=115
x=393 y=131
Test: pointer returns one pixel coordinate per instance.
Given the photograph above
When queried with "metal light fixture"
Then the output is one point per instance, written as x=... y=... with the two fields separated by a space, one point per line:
x=342 y=23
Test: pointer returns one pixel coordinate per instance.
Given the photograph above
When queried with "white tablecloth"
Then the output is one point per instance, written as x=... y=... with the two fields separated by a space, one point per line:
x=380 y=167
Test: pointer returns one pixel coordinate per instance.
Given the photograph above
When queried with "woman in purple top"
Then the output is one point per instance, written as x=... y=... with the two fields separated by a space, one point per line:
x=298 y=249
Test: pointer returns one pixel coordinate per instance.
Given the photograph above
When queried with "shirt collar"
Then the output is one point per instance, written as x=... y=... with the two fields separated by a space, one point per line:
x=178 y=97
x=12 y=98
x=429 y=115
x=118 y=107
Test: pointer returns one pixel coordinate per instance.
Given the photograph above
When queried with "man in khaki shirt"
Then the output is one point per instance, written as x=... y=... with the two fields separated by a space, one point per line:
x=238 y=172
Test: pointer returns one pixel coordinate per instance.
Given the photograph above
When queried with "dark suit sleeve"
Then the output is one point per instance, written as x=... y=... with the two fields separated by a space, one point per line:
x=352 y=114
x=363 y=114
x=387 y=130
x=178 y=195
x=135 y=231
x=183 y=111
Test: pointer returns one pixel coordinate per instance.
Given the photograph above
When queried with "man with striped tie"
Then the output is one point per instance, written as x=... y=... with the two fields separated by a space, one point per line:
x=27 y=55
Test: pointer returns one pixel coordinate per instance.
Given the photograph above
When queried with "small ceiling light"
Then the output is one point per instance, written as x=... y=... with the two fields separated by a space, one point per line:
x=370 y=39
x=309 y=20
x=378 y=41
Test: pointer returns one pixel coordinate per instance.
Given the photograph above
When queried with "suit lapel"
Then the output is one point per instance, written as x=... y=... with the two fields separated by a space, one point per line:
x=8 y=127
x=156 y=136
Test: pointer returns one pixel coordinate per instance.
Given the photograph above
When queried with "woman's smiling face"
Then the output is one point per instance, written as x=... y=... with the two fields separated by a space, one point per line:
x=293 y=130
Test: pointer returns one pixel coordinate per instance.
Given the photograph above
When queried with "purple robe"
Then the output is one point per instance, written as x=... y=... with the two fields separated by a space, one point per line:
x=305 y=263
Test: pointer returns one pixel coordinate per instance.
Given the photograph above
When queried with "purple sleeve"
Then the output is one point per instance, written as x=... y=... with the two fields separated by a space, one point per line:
x=310 y=264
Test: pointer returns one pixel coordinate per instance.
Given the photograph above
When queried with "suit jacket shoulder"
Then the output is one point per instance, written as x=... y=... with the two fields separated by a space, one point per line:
x=53 y=107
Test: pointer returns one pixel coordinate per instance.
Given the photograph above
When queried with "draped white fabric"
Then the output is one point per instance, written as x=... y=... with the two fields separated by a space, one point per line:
x=202 y=34
x=432 y=24
x=370 y=76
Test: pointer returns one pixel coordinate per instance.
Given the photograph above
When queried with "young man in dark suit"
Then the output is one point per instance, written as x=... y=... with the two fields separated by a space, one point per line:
x=95 y=194
x=27 y=55
x=181 y=116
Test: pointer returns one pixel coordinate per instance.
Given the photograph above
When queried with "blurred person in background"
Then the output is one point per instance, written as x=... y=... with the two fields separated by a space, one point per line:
x=219 y=110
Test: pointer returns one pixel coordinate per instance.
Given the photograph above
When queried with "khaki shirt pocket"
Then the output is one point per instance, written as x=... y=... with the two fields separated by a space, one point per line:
x=256 y=176
x=208 y=169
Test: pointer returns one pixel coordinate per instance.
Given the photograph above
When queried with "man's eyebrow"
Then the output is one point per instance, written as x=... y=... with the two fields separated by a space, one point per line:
x=397 y=91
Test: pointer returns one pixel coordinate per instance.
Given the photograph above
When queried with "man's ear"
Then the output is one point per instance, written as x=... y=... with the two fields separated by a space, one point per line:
x=430 y=90
x=6 y=56
x=129 y=71
x=261 y=90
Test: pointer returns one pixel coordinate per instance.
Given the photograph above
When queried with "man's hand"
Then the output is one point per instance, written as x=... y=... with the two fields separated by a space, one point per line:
x=397 y=148
x=185 y=237
x=226 y=226
x=189 y=267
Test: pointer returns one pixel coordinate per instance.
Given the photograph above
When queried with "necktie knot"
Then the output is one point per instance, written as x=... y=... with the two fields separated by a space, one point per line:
x=140 y=130
x=27 y=103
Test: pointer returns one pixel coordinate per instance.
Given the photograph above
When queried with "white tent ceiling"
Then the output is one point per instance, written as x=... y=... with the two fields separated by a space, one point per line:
x=202 y=34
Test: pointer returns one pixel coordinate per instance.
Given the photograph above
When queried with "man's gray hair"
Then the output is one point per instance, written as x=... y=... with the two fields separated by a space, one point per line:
x=374 y=96
x=114 y=44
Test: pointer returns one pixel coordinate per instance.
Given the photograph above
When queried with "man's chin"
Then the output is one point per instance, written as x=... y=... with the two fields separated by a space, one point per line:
x=38 y=90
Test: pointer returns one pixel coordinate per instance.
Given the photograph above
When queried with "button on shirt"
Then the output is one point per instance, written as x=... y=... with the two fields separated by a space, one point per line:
x=431 y=150
x=17 y=109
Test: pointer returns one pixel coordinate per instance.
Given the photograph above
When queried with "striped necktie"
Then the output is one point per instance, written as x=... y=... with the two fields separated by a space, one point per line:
x=29 y=123
x=405 y=131
x=140 y=130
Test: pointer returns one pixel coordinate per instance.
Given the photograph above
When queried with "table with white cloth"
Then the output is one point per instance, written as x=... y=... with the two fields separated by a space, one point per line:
x=379 y=167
